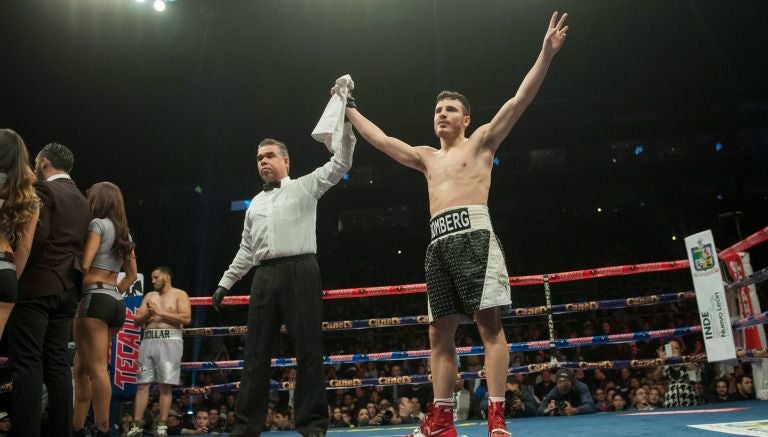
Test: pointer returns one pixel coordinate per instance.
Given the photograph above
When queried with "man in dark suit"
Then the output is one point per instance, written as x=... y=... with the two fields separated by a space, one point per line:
x=49 y=290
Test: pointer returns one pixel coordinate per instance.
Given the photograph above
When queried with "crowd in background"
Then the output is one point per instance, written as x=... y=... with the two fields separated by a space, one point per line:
x=609 y=389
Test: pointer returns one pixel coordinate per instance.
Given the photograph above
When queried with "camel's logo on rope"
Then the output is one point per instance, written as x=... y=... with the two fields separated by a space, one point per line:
x=703 y=258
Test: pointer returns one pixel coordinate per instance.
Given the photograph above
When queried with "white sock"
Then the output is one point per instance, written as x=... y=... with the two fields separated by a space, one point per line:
x=496 y=399
x=448 y=402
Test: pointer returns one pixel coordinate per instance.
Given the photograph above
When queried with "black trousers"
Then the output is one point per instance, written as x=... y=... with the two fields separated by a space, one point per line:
x=39 y=330
x=285 y=290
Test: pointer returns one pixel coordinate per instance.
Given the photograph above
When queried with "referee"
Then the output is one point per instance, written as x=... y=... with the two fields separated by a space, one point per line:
x=279 y=240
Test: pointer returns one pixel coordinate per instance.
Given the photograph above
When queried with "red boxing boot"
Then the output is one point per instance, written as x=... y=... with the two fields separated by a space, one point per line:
x=438 y=422
x=497 y=427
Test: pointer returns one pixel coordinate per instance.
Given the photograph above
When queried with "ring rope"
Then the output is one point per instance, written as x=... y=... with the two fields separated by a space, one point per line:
x=761 y=318
x=388 y=322
x=529 y=346
x=755 y=278
x=576 y=275
x=531 y=368
x=420 y=379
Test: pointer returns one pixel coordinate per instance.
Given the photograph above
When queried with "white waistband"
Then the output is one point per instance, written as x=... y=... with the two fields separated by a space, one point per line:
x=459 y=219
x=163 y=334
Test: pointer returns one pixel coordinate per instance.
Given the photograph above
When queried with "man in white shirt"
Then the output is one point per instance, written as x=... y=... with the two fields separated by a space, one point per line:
x=279 y=239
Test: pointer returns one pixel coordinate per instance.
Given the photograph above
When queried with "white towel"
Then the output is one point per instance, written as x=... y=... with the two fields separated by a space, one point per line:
x=330 y=128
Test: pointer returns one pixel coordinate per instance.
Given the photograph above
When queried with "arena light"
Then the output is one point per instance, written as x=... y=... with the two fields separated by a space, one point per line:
x=639 y=149
x=719 y=147
x=159 y=5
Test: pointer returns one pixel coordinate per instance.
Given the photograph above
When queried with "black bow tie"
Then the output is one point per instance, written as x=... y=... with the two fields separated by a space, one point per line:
x=269 y=186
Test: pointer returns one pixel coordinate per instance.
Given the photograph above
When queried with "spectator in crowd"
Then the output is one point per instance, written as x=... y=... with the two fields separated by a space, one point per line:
x=371 y=407
x=641 y=400
x=600 y=379
x=200 y=423
x=348 y=401
x=384 y=403
x=655 y=398
x=269 y=419
x=5 y=424
x=618 y=403
x=744 y=390
x=282 y=421
x=609 y=392
x=579 y=375
x=174 y=422
x=361 y=393
x=216 y=398
x=375 y=396
x=230 y=422
x=395 y=392
x=416 y=403
x=405 y=411
x=680 y=391
x=467 y=405
x=231 y=399
x=363 y=417
x=337 y=420
x=545 y=385
x=719 y=393
x=600 y=400
x=347 y=418
x=624 y=384
x=152 y=415
x=125 y=424
x=568 y=398
x=215 y=422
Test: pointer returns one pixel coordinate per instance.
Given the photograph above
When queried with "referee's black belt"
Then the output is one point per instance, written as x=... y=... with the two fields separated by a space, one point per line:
x=287 y=259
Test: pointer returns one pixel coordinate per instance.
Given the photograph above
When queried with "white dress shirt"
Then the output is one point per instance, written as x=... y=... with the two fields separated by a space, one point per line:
x=281 y=222
x=59 y=176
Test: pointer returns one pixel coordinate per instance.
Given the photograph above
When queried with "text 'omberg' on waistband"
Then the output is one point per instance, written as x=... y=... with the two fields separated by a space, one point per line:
x=459 y=219
x=162 y=334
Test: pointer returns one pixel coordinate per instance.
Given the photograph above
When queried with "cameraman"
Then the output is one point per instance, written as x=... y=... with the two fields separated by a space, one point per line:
x=568 y=398
x=387 y=416
x=520 y=400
